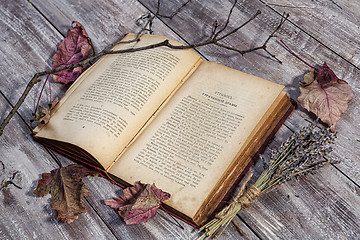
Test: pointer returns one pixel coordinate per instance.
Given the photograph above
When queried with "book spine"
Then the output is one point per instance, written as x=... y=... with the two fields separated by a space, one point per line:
x=261 y=150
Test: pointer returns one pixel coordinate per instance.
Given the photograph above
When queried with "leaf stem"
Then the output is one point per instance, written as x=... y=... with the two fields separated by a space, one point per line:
x=295 y=54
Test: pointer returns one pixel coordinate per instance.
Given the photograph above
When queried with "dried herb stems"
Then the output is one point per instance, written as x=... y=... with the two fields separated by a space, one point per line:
x=302 y=153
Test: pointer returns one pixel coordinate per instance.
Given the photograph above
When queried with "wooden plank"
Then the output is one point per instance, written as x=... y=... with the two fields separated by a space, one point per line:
x=320 y=206
x=310 y=207
x=250 y=63
x=333 y=23
x=160 y=227
x=26 y=46
x=105 y=21
x=289 y=73
x=269 y=219
x=26 y=42
x=23 y=215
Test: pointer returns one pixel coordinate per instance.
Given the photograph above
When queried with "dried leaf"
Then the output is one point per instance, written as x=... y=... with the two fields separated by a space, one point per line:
x=139 y=202
x=325 y=75
x=324 y=94
x=42 y=114
x=75 y=48
x=67 y=190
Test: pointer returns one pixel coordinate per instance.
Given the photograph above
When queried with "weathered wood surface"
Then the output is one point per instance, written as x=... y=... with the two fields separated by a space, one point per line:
x=332 y=23
x=323 y=206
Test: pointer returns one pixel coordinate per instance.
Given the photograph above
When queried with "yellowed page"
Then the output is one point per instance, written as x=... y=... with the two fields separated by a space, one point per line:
x=194 y=138
x=111 y=101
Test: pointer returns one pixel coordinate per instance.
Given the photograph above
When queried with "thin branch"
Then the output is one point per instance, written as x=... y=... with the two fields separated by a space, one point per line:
x=10 y=182
x=32 y=82
x=213 y=40
x=241 y=26
x=227 y=21
x=282 y=21
x=145 y=27
x=264 y=46
x=297 y=56
x=213 y=31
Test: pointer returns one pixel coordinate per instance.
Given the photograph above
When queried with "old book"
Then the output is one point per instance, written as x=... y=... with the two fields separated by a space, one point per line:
x=167 y=117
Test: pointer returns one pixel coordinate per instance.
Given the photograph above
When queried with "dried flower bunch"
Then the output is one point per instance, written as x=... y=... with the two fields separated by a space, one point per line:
x=302 y=153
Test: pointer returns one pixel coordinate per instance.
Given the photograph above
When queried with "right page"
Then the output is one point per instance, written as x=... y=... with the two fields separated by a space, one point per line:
x=194 y=138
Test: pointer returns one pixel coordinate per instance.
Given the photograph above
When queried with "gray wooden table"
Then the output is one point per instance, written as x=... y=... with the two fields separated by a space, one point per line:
x=321 y=206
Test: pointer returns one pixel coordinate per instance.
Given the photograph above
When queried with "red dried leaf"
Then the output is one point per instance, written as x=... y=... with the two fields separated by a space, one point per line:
x=75 y=48
x=325 y=75
x=139 y=202
x=67 y=190
x=325 y=95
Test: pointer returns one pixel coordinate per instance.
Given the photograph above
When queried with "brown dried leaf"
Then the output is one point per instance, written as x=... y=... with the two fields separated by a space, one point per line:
x=75 y=48
x=42 y=113
x=325 y=95
x=139 y=202
x=67 y=190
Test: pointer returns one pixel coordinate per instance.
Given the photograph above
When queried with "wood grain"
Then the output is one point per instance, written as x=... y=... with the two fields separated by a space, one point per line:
x=319 y=206
x=289 y=73
x=332 y=23
x=27 y=44
x=23 y=215
x=162 y=227
x=322 y=206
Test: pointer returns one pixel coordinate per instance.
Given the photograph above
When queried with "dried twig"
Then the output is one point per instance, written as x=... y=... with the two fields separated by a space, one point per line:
x=10 y=182
x=214 y=39
x=264 y=46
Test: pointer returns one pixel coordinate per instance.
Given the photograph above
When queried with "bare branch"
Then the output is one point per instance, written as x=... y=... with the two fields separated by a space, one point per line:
x=10 y=182
x=242 y=52
x=282 y=21
x=227 y=21
x=214 y=39
x=213 y=31
x=32 y=82
x=241 y=26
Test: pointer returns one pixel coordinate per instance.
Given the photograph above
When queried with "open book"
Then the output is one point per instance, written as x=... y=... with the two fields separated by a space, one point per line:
x=167 y=117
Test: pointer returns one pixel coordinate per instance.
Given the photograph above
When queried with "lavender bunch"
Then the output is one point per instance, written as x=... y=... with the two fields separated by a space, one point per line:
x=304 y=152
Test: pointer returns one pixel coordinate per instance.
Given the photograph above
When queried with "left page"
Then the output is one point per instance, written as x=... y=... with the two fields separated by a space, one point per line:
x=109 y=103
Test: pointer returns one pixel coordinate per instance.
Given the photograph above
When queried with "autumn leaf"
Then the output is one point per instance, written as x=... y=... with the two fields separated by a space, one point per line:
x=67 y=190
x=75 y=48
x=42 y=114
x=324 y=94
x=139 y=203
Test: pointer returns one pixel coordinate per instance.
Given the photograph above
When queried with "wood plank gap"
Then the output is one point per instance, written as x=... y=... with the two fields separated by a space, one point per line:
x=102 y=219
x=17 y=113
x=47 y=20
x=195 y=49
x=343 y=173
x=301 y=29
x=53 y=156
x=247 y=225
x=286 y=125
